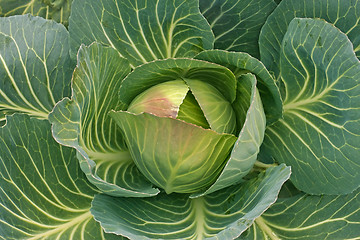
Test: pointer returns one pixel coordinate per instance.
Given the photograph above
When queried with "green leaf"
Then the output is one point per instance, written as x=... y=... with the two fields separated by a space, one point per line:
x=142 y=30
x=216 y=108
x=174 y=155
x=58 y=10
x=159 y=71
x=345 y=15
x=220 y=215
x=319 y=135
x=43 y=192
x=309 y=217
x=82 y=122
x=35 y=65
x=240 y=63
x=246 y=148
x=237 y=24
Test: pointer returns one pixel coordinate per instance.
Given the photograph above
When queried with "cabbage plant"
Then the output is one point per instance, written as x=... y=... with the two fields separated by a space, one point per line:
x=171 y=119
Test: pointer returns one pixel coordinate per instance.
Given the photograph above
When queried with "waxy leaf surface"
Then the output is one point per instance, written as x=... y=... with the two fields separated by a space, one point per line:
x=83 y=123
x=56 y=10
x=35 y=65
x=43 y=192
x=345 y=15
x=319 y=135
x=221 y=215
x=141 y=30
x=309 y=217
x=237 y=24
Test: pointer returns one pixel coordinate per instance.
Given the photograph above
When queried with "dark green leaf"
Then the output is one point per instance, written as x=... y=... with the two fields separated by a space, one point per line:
x=343 y=14
x=319 y=135
x=58 y=10
x=43 y=192
x=141 y=30
x=221 y=215
x=35 y=65
x=309 y=217
x=237 y=24
x=83 y=123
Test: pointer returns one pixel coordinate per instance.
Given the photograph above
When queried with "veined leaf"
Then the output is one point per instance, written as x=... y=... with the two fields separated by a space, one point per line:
x=82 y=122
x=220 y=215
x=174 y=155
x=309 y=217
x=343 y=14
x=142 y=30
x=240 y=63
x=236 y=24
x=43 y=192
x=246 y=148
x=58 y=10
x=35 y=65
x=319 y=135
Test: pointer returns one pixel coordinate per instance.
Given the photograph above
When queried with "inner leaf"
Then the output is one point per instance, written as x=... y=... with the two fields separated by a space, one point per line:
x=191 y=112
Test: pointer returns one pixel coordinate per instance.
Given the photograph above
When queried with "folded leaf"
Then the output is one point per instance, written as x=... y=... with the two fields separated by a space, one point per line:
x=82 y=122
x=246 y=148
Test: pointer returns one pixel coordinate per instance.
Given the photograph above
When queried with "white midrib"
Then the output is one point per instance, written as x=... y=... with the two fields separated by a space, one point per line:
x=63 y=227
x=198 y=206
x=266 y=229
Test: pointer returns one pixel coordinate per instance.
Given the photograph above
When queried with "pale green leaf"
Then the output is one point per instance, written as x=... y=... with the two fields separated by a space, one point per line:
x=35 y=65
x=216 y=108
x=172 y=154
x=221 y=215
x=82 y=122
x=237 y=24
x=43 y=192
x=142 y=30
x=309 y=217
x=159 y=71
x=319 y=135
x=240 y=63
x=345 y=15
x=58 y=10
x=246 y=148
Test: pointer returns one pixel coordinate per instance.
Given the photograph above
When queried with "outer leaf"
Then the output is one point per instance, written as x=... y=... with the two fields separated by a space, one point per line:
x=150 y=74
x=310 y=217
x=172 y=154
x=83 y=123
x=142 y=30
x=226 y=213
x=344 y=14
x=236 y=24
x=58 y=10
x=35 y=65
x=246 y=148
x=320 y=133
x=43 y=192
x=241 y=63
